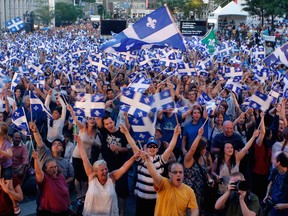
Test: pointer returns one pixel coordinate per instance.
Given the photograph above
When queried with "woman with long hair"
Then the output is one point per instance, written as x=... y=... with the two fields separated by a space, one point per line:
x=88 y=134
x=228 y=161
x=195 y=167
x=215 y=127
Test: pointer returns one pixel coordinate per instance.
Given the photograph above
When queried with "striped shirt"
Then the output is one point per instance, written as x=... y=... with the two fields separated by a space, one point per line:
x=144 y=185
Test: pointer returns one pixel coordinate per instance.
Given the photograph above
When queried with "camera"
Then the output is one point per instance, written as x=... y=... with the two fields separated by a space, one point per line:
x=240 y=185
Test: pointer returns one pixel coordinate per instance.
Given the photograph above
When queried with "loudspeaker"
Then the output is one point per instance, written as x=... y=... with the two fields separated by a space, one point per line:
x=116 y=26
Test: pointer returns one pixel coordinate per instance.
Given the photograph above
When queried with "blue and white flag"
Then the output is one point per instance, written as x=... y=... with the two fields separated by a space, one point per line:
x=204 y=98
x=37 y=105
x=20 y=121
x=90 y=105
x=41 y=81
x=260 y=101
x=155 y=29
x=234 y=86
x=279 y=55
x=210 y=107
x=140 y=84
x=15 y=24
x=143 y=128
x=186 y=69
x=234 y=72
x=163 y=100
x=15 y=80
x=135 y=103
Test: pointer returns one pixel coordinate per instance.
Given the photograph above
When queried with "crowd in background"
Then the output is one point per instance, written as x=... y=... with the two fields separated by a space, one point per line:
x=235 y=139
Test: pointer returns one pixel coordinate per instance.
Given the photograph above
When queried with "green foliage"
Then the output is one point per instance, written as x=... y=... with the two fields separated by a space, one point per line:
x=67 y=13
x=265 y=8
x=89 y=1
x=44 y=15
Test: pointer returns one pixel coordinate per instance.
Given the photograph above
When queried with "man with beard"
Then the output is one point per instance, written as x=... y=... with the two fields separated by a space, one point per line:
x=115 y=152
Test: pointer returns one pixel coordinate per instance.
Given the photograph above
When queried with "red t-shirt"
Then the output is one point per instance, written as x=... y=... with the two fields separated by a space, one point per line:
x=6 y=205
x=54 y=194
x=262 y=159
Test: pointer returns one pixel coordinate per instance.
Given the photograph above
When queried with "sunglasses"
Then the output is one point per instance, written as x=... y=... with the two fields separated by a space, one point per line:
x=152 y=146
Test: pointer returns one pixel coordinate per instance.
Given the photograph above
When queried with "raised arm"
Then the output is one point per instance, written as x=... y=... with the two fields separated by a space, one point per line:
x=116 y=174
x=38 y=169
x=78 y=123
x=64 y=109
x=260 y=138
x=36 y=134
x=86 y=163
x=157 y=178
x=167 y=153
x=48 y=99
x=129 y=138
x=188 y=159
x=241 y=154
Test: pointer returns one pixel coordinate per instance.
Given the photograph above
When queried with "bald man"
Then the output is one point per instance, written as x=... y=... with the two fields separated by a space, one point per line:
x=228 y=136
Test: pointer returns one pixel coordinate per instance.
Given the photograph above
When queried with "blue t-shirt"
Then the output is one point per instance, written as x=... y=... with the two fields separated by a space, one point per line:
x=191 y=131
x=168 y=125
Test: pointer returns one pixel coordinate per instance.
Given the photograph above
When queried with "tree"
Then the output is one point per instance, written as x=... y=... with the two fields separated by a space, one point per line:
x=44 y=15
x=266 y=8
x=67 y=13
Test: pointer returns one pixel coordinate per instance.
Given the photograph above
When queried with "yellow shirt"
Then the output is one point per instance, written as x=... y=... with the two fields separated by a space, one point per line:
x=172 y=201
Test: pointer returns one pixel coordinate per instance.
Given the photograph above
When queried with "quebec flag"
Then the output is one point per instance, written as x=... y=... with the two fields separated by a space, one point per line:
x=135 y=103
x=15 y=24
x=143 y=128
x=260 y=101
x=20 y=121
x=157 y=29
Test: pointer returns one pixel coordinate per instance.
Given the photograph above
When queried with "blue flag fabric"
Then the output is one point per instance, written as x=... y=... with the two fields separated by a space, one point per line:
x=37 y=105
x=90 y=105
x=143 y=128
x=135 y=103
x=15 y=24
x=260 y=101
x=157 y=29
x=20 y=121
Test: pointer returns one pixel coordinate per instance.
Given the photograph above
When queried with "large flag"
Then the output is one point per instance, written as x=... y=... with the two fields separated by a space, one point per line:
x=155 y=29
x=135 y=103
x=90 y=105
x=37 y=105
x=20 y=121
x=15 y=24
x=279 y=55
x=210 y=40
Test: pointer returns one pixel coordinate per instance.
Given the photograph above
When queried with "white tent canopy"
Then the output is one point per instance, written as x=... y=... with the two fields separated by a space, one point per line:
x=231 y=11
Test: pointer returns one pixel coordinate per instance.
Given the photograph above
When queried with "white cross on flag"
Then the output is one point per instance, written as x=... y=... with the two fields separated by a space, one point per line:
x=15 y=24
x=90 y=105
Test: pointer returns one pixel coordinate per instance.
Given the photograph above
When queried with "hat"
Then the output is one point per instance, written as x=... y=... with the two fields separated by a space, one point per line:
x=152 y=141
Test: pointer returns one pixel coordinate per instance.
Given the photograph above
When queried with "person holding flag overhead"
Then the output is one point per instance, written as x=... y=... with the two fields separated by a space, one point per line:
x=146 y=194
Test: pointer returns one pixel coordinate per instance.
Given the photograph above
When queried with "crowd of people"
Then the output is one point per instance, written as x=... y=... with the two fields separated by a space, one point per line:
x=232 y=161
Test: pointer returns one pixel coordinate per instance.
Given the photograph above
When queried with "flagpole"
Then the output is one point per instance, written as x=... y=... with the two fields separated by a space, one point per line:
x=30 y=106
x=205 y=122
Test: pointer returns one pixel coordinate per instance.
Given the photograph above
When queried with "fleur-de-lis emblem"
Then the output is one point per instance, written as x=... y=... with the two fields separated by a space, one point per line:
x=211 y=42
x=151 y=23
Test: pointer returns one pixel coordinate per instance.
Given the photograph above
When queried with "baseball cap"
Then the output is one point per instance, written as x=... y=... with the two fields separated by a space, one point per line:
x=152 y=141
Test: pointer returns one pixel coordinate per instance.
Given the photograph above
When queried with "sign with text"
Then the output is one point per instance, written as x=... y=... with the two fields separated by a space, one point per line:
x=193 y=28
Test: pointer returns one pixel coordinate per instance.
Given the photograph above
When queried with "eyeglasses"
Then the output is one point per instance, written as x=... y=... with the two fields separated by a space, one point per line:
x=152 y=146
x=176 y=172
